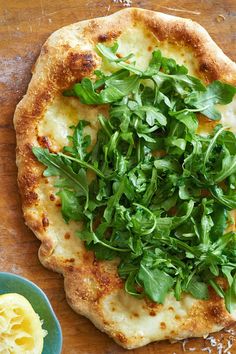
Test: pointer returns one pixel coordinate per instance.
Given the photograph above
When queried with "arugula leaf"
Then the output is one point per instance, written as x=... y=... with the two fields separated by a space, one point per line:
x=86 y=92
x=91 y=237
x=156 y=283
x=130 y=285
x=230 y=296
x=198 y=289
x=153 y=116
x=71 y=206
x=80 y=142
x=216 y=92
x=228 y=201
x=108 y=53
x=114 y=90
x=60 y=166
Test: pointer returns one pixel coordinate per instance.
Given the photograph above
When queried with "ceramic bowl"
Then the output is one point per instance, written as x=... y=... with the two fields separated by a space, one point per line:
x=11 y=283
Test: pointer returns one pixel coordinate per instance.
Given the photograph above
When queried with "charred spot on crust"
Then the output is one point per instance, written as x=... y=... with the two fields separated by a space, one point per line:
x=45 y=221
x=105 y=37
x=209 y=70
x=70 y=268
x=121 y=337
x=152 y=305
x=44 y=141
x=152 y=313
x=83 y=62
x=135 y=314
x=52 y=197
x=162 y=325
x=217 y=312
x=157 y=27
x=67 y=236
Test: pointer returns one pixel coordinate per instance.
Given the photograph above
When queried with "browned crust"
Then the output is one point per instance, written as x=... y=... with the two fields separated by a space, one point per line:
x=67 y=57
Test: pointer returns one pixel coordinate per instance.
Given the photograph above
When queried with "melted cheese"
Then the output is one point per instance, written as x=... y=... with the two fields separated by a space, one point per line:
x=63 y=113
x=142 y=45
x=63 y=235
x=228 y=113
x=66 y=111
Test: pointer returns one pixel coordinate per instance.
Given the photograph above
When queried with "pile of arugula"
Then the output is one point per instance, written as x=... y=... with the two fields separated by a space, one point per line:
x=162 y=193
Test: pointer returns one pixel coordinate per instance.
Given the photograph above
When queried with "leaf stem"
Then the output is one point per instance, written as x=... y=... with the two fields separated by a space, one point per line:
x=83 y=163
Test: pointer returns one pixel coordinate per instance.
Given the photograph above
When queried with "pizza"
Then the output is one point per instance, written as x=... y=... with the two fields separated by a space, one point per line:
x=126 y=169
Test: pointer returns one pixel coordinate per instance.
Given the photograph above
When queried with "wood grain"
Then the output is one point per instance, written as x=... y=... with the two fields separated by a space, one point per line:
x=24 y=26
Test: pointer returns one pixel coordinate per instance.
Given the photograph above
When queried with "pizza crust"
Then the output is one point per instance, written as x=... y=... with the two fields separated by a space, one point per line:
x=94 y=289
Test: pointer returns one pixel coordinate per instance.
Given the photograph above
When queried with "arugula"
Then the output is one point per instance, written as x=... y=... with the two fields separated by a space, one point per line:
x=156 y=283
x=161 y=195
x=217 y=92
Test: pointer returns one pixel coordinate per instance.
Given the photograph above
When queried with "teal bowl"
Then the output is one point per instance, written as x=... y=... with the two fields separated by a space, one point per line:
x=11 y=283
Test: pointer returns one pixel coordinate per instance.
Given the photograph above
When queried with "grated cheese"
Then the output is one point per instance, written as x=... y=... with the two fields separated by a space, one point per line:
x=127 y=3
x=207 y=349
x=185 y=341
x=221 y=345
x=229 y=345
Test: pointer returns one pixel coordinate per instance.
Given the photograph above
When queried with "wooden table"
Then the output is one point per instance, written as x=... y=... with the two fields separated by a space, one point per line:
x=24 y=26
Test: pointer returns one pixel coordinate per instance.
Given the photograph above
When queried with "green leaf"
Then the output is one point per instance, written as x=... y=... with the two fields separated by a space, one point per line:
x=229 y=201
x=186 y=209
x=115 y=89
x=153 y=116
x=189 y=120
x=156 y=283
x=130 y=285
x=71 y=206
x=79 y=141
x=219 y=218
x=198 y=289
x=227 y=270
x=89 y=237
x=60 y=166
x=218 y=289
x=216 y=93
x=166 y=164
x=86 y=92
x=230 y=296
x=108 y=53
x=113 y=201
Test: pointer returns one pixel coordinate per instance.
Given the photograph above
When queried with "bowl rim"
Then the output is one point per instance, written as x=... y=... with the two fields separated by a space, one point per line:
x=45 y=298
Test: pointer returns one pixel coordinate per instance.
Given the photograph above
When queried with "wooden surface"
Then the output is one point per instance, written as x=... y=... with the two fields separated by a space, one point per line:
x=24 y=26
